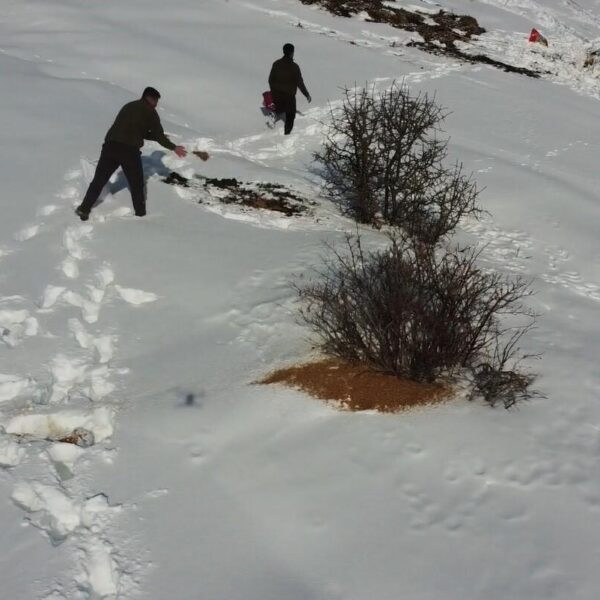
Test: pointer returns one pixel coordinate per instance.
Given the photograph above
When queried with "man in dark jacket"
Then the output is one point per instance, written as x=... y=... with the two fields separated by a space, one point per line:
x=137 y=121
x=284 y=80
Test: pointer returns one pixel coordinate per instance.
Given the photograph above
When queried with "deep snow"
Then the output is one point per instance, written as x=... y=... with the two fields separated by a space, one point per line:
x=149 y=333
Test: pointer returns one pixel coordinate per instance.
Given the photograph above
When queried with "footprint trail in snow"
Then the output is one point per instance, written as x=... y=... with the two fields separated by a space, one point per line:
x=70 y=411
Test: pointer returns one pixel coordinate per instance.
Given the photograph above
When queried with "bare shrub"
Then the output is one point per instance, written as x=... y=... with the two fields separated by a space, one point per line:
x=409 y=310
x=382 y=159
x=498 y=377
x=495 y=384
x=349 y=157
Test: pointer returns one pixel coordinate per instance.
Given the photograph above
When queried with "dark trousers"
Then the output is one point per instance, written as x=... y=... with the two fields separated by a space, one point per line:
x=285 y=103
x=113 y=156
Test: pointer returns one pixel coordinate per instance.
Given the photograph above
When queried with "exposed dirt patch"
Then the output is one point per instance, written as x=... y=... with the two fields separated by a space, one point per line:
x=356 y=387
x=474 y=58
x=440 y=31
x=267 y=196
x=177 y=179
x=442 y=27
x=259 y=195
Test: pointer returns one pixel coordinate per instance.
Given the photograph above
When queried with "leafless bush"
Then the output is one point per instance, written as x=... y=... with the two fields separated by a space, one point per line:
x=410 y=310
x=349 y=157
x=382 y=159
x=498 y=378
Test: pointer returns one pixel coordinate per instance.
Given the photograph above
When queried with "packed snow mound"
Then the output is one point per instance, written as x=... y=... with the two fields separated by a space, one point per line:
x=59 y=424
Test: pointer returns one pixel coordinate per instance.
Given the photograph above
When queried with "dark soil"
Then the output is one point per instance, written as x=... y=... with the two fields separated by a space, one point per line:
x=447 y=27
x=356 y=387
x=439 y=37
x=176 y=179
x=474 y=58
x=259 y=195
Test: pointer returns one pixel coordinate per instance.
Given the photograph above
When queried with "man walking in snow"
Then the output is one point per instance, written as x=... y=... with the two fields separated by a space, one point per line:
x=137 y=121
x=284 y=80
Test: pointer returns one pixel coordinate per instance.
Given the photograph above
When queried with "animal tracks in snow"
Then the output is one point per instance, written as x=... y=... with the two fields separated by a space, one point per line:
x=511 y=248
x=453 y=510
x=515 y=248
x=573 y=281
x=504 y=489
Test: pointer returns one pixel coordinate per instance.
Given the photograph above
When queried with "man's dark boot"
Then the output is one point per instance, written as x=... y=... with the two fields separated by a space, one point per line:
x=289 y=122
x=84 y=216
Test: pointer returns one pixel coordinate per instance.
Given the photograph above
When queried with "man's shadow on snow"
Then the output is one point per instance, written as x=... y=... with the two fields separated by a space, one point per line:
x=151 y=165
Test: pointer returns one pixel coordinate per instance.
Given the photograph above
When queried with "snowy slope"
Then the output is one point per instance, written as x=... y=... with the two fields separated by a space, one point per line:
x=149 y=333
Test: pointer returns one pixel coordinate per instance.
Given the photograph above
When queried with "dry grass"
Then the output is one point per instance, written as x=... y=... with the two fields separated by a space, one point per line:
x=356 y=387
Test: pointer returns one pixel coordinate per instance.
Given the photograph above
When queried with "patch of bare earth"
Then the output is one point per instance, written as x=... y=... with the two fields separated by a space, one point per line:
x=440 y=31
x=256 y=195
x=356 y=387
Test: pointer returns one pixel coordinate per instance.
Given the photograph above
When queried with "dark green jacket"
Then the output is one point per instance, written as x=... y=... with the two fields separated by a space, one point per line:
x=138 y=121
x=286 y=77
